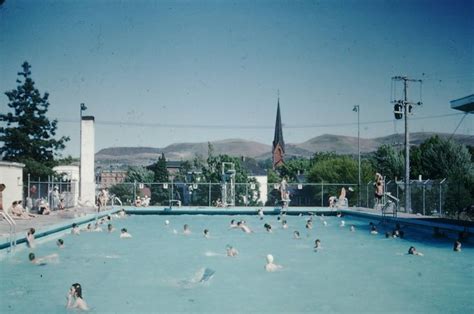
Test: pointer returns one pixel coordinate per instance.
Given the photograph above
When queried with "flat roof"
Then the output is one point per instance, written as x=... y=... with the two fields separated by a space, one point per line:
x=465 y=104
x=11 y=164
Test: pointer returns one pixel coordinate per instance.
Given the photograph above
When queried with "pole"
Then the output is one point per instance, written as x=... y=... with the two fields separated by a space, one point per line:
x=358 y=153
x=407 y=150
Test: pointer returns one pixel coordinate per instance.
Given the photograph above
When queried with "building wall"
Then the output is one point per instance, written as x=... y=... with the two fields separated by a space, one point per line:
x=87 y=175
x=11 y=174
x=109 y=178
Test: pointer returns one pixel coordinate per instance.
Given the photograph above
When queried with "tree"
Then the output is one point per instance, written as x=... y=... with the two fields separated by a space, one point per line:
x=125 y=191
x=159 y=195
x=28 y=136
x=388 y=162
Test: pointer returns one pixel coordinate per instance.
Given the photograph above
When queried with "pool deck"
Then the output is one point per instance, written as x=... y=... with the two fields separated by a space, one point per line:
x=61 y=220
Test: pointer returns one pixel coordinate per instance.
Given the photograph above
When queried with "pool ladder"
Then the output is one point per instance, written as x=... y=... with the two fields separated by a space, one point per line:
x=12 y=223
x=393 y=203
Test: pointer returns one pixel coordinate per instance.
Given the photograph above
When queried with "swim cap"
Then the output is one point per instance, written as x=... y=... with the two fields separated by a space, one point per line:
x=167 y=222
x=269 y=258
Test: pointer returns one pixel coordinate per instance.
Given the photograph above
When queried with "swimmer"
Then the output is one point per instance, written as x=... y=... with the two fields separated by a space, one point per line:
x=41 y=261
x=122 y=213
x=231 y=251
x=167 y=222
x=412 y=251
x=373 y=230
x=74 y=298
x=270 y=266
x=97 y=228
x=268 y=227
x=233 y=224
x=60 y=243
x=186 y=229
x=353 y=228
x=339 y=215
x=124 y=233
x=243 y=227
x=206 y=233
x=284 y=224
x=317 y=245
x=387 y=235
x=396 y=233
x=342 y=224
x=309 y=224
x=30 y=238
x=260 y=213
x=75 y=229
x=457 y=246
x=325 y=223
x=110 y=228
x=88 y=228
x=296 y=235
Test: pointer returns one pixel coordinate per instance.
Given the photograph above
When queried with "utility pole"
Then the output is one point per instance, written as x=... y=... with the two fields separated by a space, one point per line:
x=357 y=109
x=404 y=107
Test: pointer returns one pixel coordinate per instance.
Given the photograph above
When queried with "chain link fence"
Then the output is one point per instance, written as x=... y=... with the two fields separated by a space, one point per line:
x=427 y=197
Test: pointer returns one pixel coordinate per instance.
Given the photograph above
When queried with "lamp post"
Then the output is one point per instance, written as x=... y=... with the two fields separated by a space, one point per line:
x=357 y=109
x=82 y=108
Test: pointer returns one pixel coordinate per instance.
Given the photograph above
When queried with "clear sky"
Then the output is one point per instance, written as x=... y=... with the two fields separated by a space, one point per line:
x=155 y=73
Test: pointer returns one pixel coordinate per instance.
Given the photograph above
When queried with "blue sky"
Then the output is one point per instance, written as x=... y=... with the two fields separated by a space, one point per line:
x=160 y=72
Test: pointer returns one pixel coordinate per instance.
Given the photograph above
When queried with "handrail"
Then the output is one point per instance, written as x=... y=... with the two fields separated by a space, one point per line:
x=12 y=224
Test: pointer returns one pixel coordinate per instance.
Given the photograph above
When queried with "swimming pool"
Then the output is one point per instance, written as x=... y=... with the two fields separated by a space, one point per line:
x=153 y=271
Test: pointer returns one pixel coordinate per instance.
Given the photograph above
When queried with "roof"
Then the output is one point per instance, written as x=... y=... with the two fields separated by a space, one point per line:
x=278 y=138
x=465 y=104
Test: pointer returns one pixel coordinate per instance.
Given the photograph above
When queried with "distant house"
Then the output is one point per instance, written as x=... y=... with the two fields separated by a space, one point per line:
x=108 y=178
x=173 y=167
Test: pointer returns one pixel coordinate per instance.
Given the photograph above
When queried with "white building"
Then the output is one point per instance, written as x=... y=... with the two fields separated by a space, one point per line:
x=11 y=174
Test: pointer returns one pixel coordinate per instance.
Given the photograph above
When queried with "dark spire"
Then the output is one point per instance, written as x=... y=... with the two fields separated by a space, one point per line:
x=278 y=138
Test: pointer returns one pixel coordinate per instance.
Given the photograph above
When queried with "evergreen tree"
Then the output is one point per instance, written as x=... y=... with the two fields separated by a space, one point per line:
x=159 y=195
x=28 y=136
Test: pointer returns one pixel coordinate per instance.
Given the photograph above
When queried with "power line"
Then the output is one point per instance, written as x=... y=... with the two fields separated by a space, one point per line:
x=236 y=126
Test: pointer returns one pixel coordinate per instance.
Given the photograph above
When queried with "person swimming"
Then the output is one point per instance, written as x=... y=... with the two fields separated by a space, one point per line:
x=231 y=251
x=270 y=266
x=309 y=224
x=167 y=222
x=41 y=261
x=317 y=245
x=260 y=213
x=342 y=224
x=373 y=230
x=186 y=229
x=296 y=235
x=75 y=229
x=457 y=246
x=60 y=243
x=243 y=227
x=110 y=228
x=412 y=251
x=206 y=233
x=284 y=224
x=74 y=298
x=124 y=233
x=353 y=228
x=268 y=227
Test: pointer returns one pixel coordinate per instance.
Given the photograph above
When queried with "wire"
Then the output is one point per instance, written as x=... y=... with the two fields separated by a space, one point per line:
x=235 y=126
x=459 y=124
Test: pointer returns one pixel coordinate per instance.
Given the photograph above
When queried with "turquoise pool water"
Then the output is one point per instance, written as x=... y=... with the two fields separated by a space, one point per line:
x=154 y=271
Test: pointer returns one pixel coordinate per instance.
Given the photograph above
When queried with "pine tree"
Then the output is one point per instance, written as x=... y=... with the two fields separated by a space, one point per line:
x=159 y=195
x=28 y=136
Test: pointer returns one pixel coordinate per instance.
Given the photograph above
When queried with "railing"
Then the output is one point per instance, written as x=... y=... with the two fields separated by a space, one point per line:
x=12 y=223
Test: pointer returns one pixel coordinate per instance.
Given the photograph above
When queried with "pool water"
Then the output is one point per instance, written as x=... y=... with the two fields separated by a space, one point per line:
x=158 y=270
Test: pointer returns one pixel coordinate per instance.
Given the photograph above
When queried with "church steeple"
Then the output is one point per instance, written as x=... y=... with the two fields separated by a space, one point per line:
x=278 y=143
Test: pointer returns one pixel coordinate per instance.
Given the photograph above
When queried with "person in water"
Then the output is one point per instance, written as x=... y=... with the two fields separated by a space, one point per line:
x=206 y=233
x=457 y=246
x=284 y=224
x=231 y=251
x=74 y=298
x=243 y=227
x=75 y=229
x=268 y=227
x=353 y=229
x=317 y=245
x=41 y=261
x=124 y=233
x=296 y=235
x=186 y=229
x=60 y=243
x=412 y=251
x=110 y=228
x=270 y=266
x=373 y=230
x=30 y=238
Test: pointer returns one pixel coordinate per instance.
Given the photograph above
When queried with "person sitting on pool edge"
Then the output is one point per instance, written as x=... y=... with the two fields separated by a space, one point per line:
x=74 y=298
x=457 y=246
x=412 y=251
x=124 y=233
x=270 y=266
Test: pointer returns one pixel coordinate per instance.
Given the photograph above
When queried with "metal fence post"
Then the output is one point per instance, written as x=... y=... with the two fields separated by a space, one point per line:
x=322 y=194
x=424 y=199
x=134 y=191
